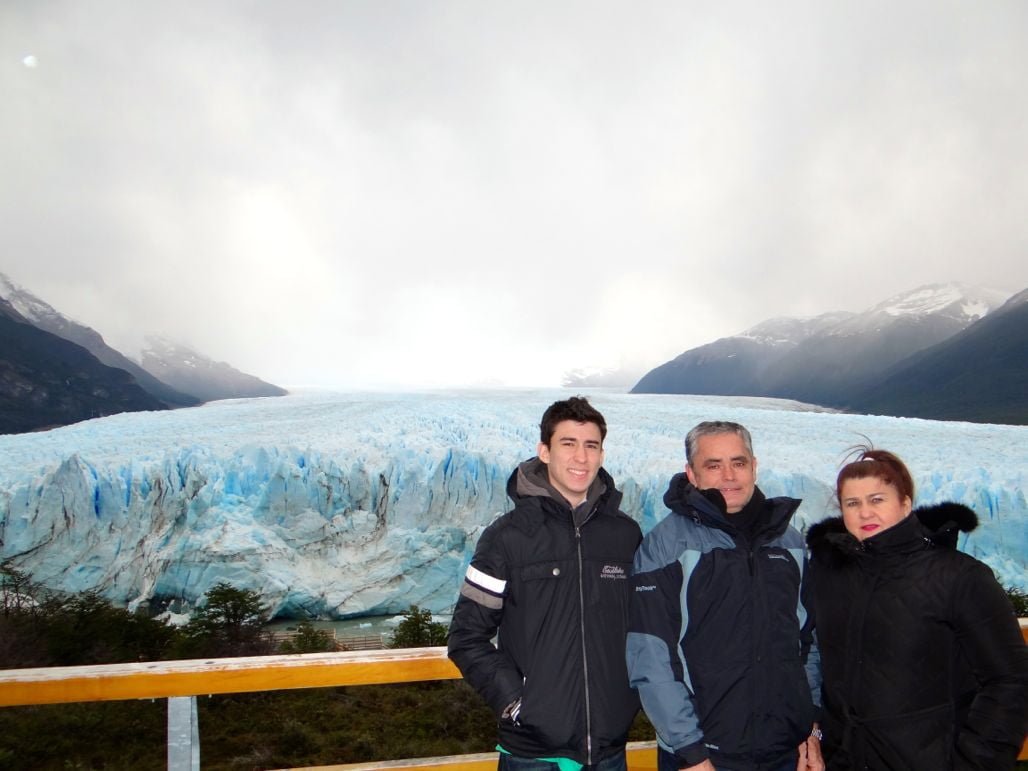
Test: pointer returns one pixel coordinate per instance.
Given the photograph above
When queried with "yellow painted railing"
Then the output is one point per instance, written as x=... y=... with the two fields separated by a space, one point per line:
x=163 y=679
x=173 y=679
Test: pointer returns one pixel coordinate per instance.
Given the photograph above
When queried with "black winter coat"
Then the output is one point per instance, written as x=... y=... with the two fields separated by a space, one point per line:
x=558 y=594
x=923 y=663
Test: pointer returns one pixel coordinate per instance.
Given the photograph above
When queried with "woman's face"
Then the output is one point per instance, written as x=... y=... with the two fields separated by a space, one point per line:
x=870 y=506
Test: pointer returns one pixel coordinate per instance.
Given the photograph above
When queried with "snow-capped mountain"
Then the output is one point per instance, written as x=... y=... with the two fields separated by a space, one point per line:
x=176 y=374
x=791 y=331
x=47 y=381
x=360 y=504
x=31 y=308
x=958 y=303
x=44 y=316
x=10 y=312
x=980 y=373
x=192 y=372
x=600 y=377
x=830 y=358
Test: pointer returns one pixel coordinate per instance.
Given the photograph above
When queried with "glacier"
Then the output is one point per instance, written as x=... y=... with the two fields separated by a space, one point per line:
x=340 y=505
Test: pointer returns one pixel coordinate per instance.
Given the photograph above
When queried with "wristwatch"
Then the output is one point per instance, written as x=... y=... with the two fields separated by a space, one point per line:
x=817 y=734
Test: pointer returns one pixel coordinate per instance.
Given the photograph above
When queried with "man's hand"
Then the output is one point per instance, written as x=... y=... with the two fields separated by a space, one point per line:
x=512 y=712
x=706 y=765
x=810 y=755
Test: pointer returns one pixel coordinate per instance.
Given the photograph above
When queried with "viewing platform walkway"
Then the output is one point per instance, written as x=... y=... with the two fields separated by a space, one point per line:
x=363 y=642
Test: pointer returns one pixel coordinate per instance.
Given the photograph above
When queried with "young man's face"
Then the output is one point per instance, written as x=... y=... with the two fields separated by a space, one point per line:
x=721 y=461
x=573 y=458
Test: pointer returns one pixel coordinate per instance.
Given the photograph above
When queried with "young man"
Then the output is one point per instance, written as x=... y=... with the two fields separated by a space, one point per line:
x=552 y=576
x=720 y=645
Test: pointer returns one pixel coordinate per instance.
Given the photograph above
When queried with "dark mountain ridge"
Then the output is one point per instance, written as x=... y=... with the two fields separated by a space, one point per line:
x=189 y=371
x=55 y=371
x=979 y=375
x=47 y=381
x=841 y=360
x=44 y=316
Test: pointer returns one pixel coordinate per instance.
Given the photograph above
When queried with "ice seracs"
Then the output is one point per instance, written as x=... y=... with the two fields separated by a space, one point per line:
x=339 y=505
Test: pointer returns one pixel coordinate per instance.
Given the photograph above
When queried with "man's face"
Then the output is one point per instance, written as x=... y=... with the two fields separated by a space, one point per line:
x=573 y=458
x=721 y=461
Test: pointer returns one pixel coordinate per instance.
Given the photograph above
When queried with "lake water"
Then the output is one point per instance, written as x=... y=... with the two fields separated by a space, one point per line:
x=352 y=627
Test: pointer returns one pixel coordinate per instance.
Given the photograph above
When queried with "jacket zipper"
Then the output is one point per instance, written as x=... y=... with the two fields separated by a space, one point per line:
x=754 y=657
x=585 y=656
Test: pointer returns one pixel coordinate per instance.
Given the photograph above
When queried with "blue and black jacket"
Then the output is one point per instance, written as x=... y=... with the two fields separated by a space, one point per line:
x=720 y=645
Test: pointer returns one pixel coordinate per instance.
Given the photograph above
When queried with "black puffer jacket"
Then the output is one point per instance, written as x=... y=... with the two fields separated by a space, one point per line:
x=923 y=663
x=555 y=584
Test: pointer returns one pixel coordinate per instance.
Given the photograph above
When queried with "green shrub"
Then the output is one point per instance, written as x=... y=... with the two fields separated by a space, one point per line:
x=418 y=630
x=1019 y=600
x=308 y=640
x=229 y=622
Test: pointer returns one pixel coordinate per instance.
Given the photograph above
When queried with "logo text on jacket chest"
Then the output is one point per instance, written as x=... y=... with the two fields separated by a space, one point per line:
x=615 y=572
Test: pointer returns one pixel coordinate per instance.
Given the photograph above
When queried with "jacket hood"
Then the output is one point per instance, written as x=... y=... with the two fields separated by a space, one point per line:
x=939 y=524
x=682 y=495
x=945 y=521
x=708 y=506
x=531 y=480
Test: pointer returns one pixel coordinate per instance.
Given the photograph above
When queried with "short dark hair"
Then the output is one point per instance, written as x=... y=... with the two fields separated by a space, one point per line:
x=711 y=428
x=578 y=409
x=880 y=464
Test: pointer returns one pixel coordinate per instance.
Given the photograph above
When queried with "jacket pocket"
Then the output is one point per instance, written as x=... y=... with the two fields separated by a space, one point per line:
x=550 y=570
x=543 y=620
x=550 y=711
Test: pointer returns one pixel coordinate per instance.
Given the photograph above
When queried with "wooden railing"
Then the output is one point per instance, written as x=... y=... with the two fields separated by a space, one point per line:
x=181 y=681
x=163 y=679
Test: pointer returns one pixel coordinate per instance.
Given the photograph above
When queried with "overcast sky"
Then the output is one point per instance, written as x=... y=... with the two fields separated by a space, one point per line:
x=444 y=193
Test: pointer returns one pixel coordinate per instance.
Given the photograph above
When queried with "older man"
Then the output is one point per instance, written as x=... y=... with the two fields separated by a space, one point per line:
x=720 y=645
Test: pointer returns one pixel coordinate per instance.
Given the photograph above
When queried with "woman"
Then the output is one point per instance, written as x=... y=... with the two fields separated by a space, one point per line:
x=923 y=661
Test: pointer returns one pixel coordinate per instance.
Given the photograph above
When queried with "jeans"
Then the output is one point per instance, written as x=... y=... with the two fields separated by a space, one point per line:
x=514 y=763
x=667 y=762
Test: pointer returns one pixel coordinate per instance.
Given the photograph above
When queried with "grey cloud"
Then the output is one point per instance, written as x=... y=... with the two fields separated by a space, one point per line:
x=310 y=189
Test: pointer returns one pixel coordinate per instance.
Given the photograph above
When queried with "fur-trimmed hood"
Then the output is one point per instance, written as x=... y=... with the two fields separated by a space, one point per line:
x=938 y=524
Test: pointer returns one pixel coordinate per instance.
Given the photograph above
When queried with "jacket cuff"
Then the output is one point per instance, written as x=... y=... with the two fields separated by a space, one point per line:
x=504 y=694
x=692 y=754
